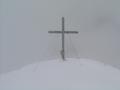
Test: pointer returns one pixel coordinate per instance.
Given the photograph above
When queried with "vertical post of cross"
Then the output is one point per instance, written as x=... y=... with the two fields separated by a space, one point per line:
x=63 y=39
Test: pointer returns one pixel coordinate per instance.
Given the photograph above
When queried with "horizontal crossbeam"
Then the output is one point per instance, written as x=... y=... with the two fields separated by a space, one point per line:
x=67 y=32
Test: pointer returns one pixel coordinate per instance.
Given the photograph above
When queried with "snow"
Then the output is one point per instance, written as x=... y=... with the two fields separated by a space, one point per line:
x=72 y=74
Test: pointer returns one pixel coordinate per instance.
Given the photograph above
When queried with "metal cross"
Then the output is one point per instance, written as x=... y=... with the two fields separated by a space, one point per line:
x=63 y=32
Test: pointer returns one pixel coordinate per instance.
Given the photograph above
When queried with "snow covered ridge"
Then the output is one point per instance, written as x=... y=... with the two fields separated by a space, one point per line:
x=72 y=74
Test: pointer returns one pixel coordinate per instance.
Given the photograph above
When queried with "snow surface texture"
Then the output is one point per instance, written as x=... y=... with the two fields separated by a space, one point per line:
x=72 y=74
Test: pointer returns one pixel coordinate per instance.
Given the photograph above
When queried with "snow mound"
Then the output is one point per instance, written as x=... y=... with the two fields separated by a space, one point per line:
x=72 y=74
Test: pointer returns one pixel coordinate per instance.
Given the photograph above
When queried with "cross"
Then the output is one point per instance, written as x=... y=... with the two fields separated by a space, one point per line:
x=63 y=32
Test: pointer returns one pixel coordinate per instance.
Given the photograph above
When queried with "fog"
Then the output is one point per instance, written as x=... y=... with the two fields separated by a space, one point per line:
x=25 y=25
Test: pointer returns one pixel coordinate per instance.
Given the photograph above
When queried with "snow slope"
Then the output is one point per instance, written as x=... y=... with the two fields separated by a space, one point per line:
x=72 y=74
